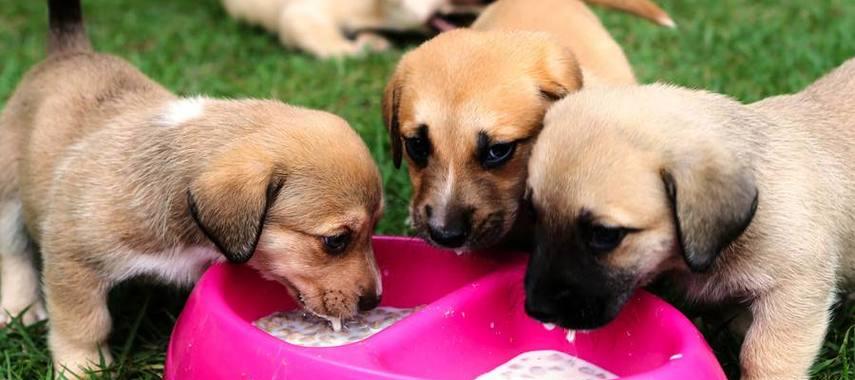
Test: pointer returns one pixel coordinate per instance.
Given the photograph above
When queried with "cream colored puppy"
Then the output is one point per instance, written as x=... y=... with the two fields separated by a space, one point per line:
x=114 y=177
x=748 y=203
x=319 y=26
x=465 y=108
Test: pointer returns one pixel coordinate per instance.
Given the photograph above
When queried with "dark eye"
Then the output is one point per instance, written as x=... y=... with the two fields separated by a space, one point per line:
x=498 y=154
x=418 y=148
x=602 y=239
x=336 y=243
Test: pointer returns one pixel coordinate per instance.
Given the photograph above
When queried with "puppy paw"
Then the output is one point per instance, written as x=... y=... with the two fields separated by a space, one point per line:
x=28 y=315
x=372 y=42
x=338 y=51
x=80 y=364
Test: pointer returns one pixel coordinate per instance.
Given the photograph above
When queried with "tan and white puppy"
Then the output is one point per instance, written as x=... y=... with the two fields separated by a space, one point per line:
x=319 y=26
x=746 y=203
x=114 y=177
x=467 y=105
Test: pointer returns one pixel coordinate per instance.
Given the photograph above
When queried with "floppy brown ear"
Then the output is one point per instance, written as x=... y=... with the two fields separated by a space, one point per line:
x=560 y=74
x=229 y=203
x=712 y=208
x=391 y=108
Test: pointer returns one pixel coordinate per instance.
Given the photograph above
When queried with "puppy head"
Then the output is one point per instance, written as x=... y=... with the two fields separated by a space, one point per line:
x=296 y=194
x=627 y=184
x=465 y=109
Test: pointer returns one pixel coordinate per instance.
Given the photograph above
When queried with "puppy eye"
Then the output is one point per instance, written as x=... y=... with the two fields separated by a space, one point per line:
x=602 y=239
x=337 y=243
x=418 y=148
x=498 y=154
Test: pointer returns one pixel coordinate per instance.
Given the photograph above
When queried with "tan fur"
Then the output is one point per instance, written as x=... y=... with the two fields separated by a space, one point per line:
x=317 y=26
x=497 y=78
x=109 y=164
x=604 y=152
x=573 y=25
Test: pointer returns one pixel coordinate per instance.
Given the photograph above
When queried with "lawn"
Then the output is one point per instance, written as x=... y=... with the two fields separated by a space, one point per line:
x=748 y=49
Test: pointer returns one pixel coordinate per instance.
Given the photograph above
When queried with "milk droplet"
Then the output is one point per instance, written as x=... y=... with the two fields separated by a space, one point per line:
x=336 y=323
x=548 y=326
x=571 y=335
x=676 y=356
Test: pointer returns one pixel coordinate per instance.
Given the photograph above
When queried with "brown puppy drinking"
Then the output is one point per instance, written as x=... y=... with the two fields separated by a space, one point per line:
x=467 y=105
x=751 y=204
x=114 y=177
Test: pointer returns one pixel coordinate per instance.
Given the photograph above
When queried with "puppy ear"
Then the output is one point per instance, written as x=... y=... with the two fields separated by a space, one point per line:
x=229 y=203
x=560 y=73
x=391 y=109
x=712 y=207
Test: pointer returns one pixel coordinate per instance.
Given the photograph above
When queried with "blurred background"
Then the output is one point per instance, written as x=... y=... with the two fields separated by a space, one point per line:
x=748 y=49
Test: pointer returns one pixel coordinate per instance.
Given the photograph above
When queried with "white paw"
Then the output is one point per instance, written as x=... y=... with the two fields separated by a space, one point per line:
x=372 y=42
x=339 y=51
x=35 y=313
x=75 y=363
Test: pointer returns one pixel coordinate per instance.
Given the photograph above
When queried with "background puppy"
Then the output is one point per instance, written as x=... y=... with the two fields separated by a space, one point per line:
x=319 y=26
x=753 y=203
x=114 y=177
x=467 y=105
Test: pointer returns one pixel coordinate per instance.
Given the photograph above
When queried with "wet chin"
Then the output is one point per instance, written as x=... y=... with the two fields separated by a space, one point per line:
x=339 y=308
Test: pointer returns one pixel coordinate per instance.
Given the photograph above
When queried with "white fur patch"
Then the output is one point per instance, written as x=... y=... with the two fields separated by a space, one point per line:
x=179 y=265
x=377 y=277
x=180 y=111
x=448 y=189
x=12 y=237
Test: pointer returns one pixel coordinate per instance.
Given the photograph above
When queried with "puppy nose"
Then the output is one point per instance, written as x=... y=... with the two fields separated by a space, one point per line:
x=449 y=236
x=368 y=302
x=451 y=229
x=541 y=311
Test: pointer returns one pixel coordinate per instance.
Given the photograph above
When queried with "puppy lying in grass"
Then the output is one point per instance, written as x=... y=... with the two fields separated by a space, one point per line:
x=319 y=27
x=465 y=108
x=111 y=177
x=753 y=204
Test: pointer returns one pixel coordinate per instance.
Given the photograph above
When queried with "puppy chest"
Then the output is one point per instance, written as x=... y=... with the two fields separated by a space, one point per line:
x=181 y=266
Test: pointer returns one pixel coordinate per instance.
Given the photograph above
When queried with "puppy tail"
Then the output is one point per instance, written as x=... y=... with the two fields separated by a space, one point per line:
x=66 y=27
x=642 y=8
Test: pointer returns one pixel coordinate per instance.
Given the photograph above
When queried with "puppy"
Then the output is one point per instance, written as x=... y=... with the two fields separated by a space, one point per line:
x=114 y=177
x=749 y=203
x=467 y=105
x=319 y=26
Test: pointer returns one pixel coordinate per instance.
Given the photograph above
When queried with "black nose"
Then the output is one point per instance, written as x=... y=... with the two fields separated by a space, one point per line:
x=449 y=227
x=450 y=237
x=368 y=302
x=541 y=311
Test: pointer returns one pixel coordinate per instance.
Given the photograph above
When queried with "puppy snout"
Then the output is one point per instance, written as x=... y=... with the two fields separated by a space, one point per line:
x=452 y=236
x=573 y=308
x=368 y=301
x=450 y=231
x=541 y=311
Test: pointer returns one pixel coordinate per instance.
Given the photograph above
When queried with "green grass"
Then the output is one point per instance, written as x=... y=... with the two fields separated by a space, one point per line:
x=748 y=49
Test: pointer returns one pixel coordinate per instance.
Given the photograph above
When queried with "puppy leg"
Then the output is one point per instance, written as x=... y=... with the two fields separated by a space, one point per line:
x=787 y=331
x=314 y=32
x=19 y=277
x=80 y=321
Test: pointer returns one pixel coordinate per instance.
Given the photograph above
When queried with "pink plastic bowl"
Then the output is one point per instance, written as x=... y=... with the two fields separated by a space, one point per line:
x=473 y=321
